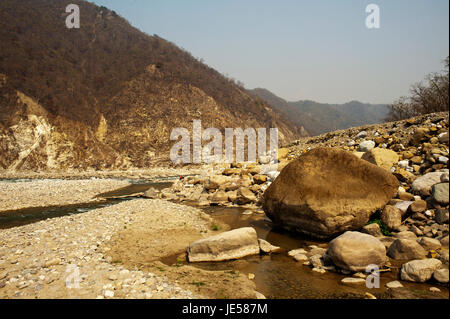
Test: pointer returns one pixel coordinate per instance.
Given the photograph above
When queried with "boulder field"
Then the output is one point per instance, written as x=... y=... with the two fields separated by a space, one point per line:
x=376 y=195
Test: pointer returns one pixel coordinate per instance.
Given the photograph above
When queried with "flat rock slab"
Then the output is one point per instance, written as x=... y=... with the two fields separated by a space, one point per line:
x=353 y=281
x=381 y=157
x=229 y=245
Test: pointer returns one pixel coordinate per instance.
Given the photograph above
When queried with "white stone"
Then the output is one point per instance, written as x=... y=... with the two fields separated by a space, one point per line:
x=403 y=205
x=420 y=270
x=403 y=164
x=366 y=146
x=294 y=252
x=351 y=280
x=394 y=284
x=362 y=134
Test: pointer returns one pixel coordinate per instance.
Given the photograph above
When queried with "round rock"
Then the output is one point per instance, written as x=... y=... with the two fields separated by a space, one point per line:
x=441 y=275
x=405 y=249
x=366 y=146
x=354 y=251
x=420 y=270
x=441 y=193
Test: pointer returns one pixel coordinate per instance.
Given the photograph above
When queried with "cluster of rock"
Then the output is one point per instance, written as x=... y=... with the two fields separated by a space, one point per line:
x=226 y=184
x=415 y=151
x=397 y=170
x=353 y=252
x=350 y=253
x=334 y=184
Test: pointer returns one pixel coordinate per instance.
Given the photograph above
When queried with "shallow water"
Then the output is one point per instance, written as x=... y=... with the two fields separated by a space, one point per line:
x=276 y=275
x=25 y=216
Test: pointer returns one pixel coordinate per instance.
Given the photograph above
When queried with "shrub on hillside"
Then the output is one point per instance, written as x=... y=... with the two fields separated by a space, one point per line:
x=428 y=96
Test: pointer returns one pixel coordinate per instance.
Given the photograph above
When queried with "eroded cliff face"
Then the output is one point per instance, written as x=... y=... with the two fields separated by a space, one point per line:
x=33 y=139
x=126 y=135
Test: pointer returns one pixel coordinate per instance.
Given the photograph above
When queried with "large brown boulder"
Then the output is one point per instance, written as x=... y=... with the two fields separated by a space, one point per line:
x=328 y=191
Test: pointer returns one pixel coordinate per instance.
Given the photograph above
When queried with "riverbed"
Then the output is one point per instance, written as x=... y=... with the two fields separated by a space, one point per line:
x=275 y=276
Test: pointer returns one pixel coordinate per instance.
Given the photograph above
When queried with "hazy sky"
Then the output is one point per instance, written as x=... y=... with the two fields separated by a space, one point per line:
x=317 y=50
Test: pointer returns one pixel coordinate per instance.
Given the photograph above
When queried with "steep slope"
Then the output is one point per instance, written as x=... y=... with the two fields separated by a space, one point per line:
x=318 y=118
x=109 y=95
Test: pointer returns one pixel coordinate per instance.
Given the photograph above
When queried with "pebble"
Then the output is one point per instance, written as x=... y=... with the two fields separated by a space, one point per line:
x=403 y=164
x=351 y=280
x=294 y=252
x=362 y=134
x=112 y=277
x=368 y=295
x=319 y=270
x=366 y=146
x=300 y=257
x=394 y=284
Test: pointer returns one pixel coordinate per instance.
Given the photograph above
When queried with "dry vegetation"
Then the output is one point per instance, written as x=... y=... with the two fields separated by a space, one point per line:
x=428 y=96
x=142 y=85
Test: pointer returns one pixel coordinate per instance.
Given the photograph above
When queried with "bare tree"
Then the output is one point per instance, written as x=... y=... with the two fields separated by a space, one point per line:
x=428 y=96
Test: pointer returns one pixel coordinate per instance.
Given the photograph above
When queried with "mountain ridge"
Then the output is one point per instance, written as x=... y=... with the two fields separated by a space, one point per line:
x=318 y=118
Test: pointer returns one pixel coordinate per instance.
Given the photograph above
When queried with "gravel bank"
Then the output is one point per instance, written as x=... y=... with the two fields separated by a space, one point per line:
x=149 y=173
x=49 y=258
x=41 y=193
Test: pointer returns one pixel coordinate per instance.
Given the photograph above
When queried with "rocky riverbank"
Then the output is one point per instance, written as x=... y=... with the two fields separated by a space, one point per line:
x=84 y=256
x=43 y=193
x=372 y=195
x=386 y=182
x=133 y=173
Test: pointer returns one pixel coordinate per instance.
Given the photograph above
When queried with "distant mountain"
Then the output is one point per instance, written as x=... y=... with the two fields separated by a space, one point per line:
x=105 y=95
x=318 y=118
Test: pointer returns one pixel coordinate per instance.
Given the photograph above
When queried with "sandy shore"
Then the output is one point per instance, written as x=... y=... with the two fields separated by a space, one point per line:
x=84 y=256
x=150 y=173
x=41 y=193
